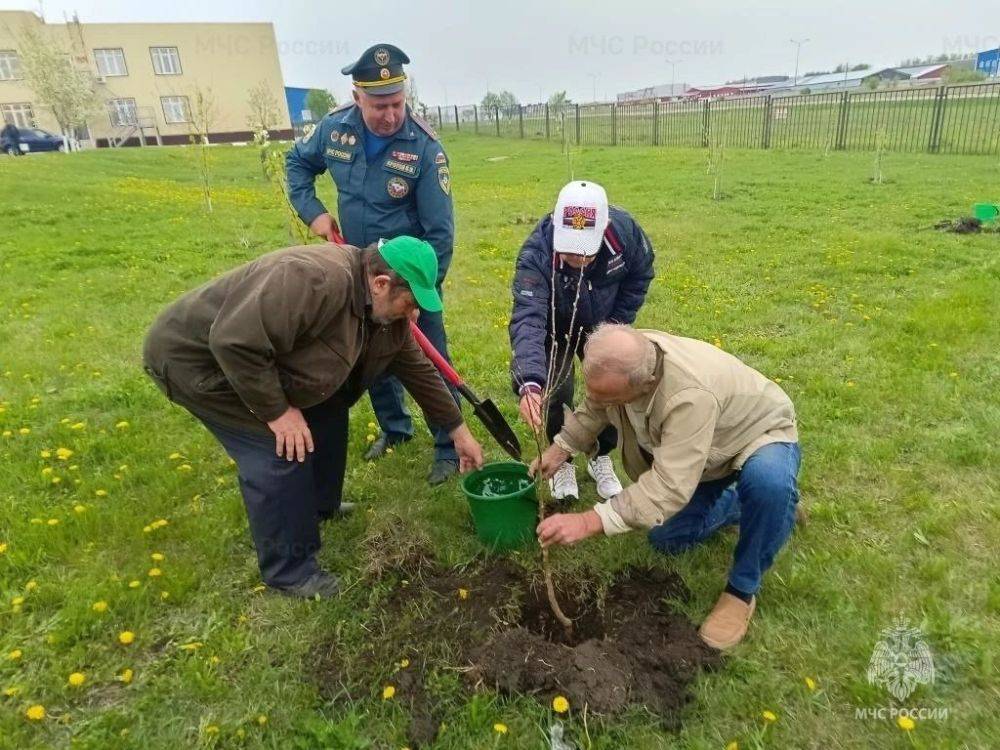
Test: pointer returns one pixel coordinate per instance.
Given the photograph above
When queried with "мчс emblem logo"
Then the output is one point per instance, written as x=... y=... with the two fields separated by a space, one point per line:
x=381 y=56
x=901 y=660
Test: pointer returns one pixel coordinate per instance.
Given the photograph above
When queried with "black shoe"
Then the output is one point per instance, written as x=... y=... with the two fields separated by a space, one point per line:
x=345 y=509
x=320 y=585
x=383 y=443
x=441 y=471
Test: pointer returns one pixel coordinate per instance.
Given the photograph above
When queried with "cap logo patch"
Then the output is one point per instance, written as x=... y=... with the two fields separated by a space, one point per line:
x=382 y=57
x=384 y=73
x=580 y=217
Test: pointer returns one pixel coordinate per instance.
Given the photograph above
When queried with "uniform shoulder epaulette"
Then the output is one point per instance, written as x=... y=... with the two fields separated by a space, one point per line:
x=341 y=107
x=423 y=125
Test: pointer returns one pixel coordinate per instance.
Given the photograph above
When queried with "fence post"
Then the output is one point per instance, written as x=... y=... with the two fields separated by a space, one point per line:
x=845 y=107
x=577 y=124
x=423 y=110
x=937 y=120
x=475 y=115
x=765 y=137
x=546 y=120
x=614 y=125
x=520 y=119
x=496 y=112
x=656 y=122
x=706 y=124
x=440 y=119
x=456 y=118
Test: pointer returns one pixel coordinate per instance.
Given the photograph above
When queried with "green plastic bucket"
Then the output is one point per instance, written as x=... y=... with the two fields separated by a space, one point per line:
x=504 y=509
x=986 y=212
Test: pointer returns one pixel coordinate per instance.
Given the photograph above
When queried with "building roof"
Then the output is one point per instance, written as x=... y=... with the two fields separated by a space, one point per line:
x=851 y=75
x=919 y=71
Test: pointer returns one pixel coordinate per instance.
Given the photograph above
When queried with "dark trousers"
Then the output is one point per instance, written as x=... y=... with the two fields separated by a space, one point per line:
x=387 y=395
x=562 y=397
x=285 y=500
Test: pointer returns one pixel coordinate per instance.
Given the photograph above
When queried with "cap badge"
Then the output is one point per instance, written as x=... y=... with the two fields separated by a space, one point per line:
x=382 y=57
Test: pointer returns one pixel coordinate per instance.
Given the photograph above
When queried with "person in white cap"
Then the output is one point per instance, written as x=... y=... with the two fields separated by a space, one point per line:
x=585 y=264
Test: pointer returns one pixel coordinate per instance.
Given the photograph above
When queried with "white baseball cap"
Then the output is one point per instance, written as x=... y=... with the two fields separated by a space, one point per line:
x=580 y=218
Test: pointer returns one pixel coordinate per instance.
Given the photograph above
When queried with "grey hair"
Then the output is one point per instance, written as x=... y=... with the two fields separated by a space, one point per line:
x=637 y=363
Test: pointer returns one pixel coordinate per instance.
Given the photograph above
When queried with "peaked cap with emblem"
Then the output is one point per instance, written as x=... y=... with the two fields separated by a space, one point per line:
x=379 y=70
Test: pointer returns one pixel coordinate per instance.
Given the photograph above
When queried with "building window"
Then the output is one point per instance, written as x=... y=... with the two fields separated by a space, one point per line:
x=10 y=65
x=20 y=114
x=122 y=112
x=166 y=61
x=175 y=109
x=110 y=62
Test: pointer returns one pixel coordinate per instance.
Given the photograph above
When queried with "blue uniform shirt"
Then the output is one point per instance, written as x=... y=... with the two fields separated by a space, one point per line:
x=407 y=190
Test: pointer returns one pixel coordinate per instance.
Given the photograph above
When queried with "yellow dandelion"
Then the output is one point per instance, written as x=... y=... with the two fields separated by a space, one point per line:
x=7 y=433
x=56 y=480
x=15 y=655
x=769 y=716
x=560 y=705
x=810 y=683
x=184 y=467
x=126 y=676
x=211 y=729
x=3 y=547
x=175 y=456
x=12 y=692
x=164 y=594
x=77 y=679
x=463 y=594
x=262 y=720
x=17 y=601
x=734 y=745
x=31 y=585
x=953 y=374
x=101 y=493
x=154 y=573
x=126 y=637
x=193 y=646
x=157 y=557
x=387 y=692
x=79 y=508
x=122 y=425
x=258 y=588
x=404 y=663
x=370 y=438
x=133 y=584
x=147 y=529
x=36 y=712
x=63 y=454
x=77 y=426
x=99 y=607
x=906 y=723
x=46 y=471
x=25 y=431
x=500 y=728
x=53 y=522
x=46 y=454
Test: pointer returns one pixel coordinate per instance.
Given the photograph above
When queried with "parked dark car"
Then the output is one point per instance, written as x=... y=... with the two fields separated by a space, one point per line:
x=32 y=140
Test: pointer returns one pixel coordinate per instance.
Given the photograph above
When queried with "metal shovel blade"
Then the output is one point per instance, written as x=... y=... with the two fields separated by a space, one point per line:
x=491 y=417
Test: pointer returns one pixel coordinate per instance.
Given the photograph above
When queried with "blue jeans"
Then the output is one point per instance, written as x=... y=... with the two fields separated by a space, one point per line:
x=387 y=396
x=760 y=498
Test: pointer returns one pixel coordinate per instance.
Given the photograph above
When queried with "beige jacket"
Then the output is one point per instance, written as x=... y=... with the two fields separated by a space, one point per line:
x=706 y=415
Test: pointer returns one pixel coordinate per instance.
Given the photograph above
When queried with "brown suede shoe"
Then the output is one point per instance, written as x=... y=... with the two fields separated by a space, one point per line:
x=728 y=621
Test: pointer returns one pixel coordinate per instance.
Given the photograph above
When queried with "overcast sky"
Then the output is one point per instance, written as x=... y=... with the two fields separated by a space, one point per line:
x=534 y=47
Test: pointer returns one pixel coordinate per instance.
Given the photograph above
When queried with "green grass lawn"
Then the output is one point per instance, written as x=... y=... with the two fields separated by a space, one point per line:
x=883 y=331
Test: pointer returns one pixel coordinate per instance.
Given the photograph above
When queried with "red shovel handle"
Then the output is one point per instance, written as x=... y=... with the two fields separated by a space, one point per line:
x=435 y=356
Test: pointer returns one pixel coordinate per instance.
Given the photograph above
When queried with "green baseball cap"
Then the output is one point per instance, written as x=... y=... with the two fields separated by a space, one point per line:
x=415 y=261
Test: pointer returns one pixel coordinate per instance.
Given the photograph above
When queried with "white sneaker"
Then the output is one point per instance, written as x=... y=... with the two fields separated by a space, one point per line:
x=563 y=483
x=602 y=471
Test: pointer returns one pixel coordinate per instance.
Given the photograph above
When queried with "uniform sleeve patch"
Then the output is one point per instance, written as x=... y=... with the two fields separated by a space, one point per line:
x=444 y=180
x=440 y=158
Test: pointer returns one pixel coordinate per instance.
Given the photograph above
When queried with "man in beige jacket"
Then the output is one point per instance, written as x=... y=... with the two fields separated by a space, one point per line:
x=707 y=441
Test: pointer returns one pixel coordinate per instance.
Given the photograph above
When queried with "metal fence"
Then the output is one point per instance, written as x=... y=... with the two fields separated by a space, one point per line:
x=946 y=119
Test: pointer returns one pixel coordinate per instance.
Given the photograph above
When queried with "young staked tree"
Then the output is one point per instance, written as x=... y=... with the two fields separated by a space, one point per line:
x=67 y=91
x=202 y=117
x=264 y=109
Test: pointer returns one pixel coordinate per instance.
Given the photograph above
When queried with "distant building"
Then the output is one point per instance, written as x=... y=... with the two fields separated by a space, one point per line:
x=146 y=76
x=989 y=62
x=846 y=81
x=926 y=72
x=664 y=92
x=297 y=108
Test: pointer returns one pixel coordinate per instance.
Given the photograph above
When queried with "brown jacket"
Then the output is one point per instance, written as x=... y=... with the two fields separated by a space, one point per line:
x=288 y=329
x=706 y=415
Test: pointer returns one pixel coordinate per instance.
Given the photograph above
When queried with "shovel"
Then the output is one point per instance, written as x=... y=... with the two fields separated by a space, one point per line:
x=487 y=411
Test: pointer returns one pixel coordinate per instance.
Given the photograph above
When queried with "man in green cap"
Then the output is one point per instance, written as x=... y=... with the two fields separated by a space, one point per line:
x=271 y=356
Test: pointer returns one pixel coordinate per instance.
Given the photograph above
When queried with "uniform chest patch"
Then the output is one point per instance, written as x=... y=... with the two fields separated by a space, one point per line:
x=402 y=167
x=405 y=156
x=340 y=154
x=397 y=187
